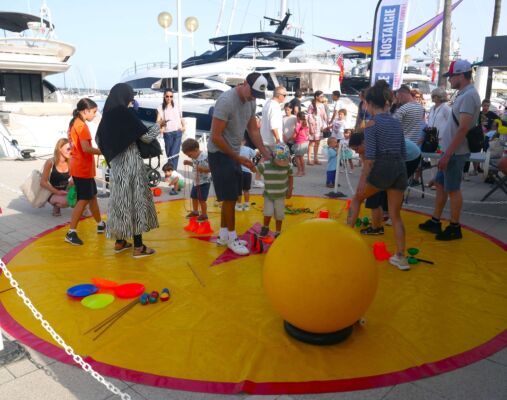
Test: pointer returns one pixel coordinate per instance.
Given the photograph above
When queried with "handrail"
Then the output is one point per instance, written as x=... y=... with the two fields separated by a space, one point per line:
x=28 y=45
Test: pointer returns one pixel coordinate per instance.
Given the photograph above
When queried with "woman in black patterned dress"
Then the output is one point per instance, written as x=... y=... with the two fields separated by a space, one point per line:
x=131 y=207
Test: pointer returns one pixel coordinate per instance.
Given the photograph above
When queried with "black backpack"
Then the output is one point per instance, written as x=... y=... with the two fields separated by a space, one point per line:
x=430 y=143
x=475 y=137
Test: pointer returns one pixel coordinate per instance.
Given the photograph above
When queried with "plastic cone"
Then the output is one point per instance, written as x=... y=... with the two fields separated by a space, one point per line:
x=192 y=225
x=204 y=228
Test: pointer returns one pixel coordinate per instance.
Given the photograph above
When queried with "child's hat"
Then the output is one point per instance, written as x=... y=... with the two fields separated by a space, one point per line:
x=281 y=155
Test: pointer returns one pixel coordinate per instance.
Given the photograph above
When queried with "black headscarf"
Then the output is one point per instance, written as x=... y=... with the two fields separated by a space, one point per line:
x=120 y=126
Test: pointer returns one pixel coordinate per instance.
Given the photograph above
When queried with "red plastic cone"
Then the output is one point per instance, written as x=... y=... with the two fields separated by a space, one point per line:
x=204 y=228
x=192 y=225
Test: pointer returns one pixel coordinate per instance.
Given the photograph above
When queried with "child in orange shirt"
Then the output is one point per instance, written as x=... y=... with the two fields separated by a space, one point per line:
x=82 y=168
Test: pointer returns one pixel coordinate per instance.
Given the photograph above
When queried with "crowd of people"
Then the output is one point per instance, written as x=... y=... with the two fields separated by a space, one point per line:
x=390 y=130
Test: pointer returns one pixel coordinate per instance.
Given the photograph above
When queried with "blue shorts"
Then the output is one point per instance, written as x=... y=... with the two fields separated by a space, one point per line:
x=451 y=178
x=200 y=192
x=227 y=176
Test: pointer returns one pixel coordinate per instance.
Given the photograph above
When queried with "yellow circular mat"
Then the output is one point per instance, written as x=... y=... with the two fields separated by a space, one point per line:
x=218 y=333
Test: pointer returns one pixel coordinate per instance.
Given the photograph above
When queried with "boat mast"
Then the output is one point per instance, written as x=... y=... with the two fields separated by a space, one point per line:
x=219 y=23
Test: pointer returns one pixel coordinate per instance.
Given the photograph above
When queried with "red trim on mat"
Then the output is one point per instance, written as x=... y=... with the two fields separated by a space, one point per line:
x=424 y=371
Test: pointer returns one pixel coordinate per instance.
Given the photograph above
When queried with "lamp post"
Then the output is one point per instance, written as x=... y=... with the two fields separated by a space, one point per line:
x=191 y=24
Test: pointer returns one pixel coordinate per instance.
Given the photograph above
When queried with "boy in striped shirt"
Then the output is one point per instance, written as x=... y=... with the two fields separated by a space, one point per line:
x=278 y=185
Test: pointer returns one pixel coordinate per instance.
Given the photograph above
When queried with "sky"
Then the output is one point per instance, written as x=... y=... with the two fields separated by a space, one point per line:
x=111 y=35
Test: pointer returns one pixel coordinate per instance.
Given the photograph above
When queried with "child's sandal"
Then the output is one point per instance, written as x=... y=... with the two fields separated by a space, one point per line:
x=122 y=245
x=143 y=252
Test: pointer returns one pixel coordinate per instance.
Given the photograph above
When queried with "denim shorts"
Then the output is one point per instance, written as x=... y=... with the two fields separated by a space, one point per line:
x=451 y=178
x=200 y=192
x=388 y=174
x=377 y=200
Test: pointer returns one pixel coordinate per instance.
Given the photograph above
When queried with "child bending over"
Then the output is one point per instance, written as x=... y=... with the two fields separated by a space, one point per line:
x=173 y=178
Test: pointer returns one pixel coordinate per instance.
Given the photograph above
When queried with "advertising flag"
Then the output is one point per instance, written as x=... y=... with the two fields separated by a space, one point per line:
x=389 y=43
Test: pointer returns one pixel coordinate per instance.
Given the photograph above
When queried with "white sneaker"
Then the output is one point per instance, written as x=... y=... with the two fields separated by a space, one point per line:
x=238 y=248
x=246 y=207
x=388 y=222
x=238 y=207
x=221 y=242
x=258 y=184
x=466 y=177
x=400 y=262
x=473 y=173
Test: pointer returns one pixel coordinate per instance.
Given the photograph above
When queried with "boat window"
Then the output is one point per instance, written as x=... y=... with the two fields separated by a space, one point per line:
x=205 y=95
x=21 y=87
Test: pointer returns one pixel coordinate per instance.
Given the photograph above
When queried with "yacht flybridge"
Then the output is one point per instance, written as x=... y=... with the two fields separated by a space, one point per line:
x=32 y=115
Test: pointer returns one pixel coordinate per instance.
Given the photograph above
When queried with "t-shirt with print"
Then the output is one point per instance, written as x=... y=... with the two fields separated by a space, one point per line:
x=236 y=114
x=81 y=165
x=276 y=179
x=467 y=101
x=249 y=153
x=201 y=178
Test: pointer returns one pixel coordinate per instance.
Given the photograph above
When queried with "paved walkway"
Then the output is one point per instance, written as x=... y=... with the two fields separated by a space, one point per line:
x=36 y=376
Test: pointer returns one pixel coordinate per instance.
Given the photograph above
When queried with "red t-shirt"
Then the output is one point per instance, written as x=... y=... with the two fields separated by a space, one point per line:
x=82 y=165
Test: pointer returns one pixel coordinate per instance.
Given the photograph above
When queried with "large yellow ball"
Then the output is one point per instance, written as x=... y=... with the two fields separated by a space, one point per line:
x=320 y=276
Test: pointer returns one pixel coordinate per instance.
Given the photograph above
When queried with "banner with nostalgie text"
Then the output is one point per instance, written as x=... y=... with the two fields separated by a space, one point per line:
x=389 y=43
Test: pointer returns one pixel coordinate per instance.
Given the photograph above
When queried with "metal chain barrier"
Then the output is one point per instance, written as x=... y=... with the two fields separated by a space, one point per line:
x=58 y=339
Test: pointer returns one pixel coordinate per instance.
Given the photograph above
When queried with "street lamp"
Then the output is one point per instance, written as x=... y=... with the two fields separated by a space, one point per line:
x=191 y=24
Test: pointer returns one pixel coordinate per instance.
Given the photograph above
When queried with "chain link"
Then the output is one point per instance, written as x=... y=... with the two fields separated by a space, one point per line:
x=58 y=339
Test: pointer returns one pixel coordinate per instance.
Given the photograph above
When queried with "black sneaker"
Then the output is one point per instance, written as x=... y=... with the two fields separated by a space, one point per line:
x=101 y=228
x=372 y=231
x=431 y=226
x=450 y=233
x=264 y=231
x=73 y=238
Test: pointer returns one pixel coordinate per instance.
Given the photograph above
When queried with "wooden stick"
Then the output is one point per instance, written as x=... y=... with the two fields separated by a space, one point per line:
x=111 y=316
x=195 y=274
x=117 y=315
x=112 y=322
x=424 y=261
x=6 y=290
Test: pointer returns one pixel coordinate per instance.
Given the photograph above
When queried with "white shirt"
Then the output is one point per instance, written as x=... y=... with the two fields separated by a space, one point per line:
x=439 y=116
x=271 y=119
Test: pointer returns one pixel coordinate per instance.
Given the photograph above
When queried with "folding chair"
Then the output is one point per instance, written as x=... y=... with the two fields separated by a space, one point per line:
x=500 y=182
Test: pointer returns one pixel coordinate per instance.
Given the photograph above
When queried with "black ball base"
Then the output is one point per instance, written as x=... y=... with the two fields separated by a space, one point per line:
x=319 y=339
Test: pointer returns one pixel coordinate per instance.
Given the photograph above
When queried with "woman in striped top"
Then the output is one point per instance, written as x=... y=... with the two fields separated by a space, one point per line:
x=384 y=166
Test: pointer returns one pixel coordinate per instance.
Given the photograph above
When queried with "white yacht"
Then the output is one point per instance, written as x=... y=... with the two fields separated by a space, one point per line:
x=271 y=53
x=33 y=115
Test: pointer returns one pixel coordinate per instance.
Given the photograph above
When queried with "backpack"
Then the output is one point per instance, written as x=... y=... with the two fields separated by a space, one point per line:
x=475 y=137
x=430 y=143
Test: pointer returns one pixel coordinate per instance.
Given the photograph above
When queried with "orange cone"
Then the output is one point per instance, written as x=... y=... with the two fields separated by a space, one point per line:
x=192 y=225
x=204 y=228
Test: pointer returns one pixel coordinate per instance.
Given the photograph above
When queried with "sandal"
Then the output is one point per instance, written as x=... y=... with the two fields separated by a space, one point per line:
x=121 y=245
x=143 y=251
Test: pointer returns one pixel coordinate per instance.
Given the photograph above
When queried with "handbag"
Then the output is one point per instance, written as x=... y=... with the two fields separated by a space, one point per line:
x=149 y=150
x=430 y=143
x=33 y=191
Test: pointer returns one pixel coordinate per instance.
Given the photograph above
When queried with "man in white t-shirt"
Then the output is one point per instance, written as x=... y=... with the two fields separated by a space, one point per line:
x=272 y=119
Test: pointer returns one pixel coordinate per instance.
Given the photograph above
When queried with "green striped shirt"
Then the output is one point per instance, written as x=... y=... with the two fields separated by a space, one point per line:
x=276 y=179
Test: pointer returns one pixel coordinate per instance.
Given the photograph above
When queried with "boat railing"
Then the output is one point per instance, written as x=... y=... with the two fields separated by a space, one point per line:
x=146 y=67
x=36 y=46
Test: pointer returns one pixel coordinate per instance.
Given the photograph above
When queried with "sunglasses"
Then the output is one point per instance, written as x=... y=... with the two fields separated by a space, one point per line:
x=168 y=97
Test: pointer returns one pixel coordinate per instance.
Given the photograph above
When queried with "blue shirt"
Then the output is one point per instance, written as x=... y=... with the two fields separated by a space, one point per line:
x=331 y=159
x=413 y=150
x=248 y=152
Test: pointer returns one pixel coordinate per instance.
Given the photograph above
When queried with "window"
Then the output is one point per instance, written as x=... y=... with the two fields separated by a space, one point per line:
x=21 y=87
